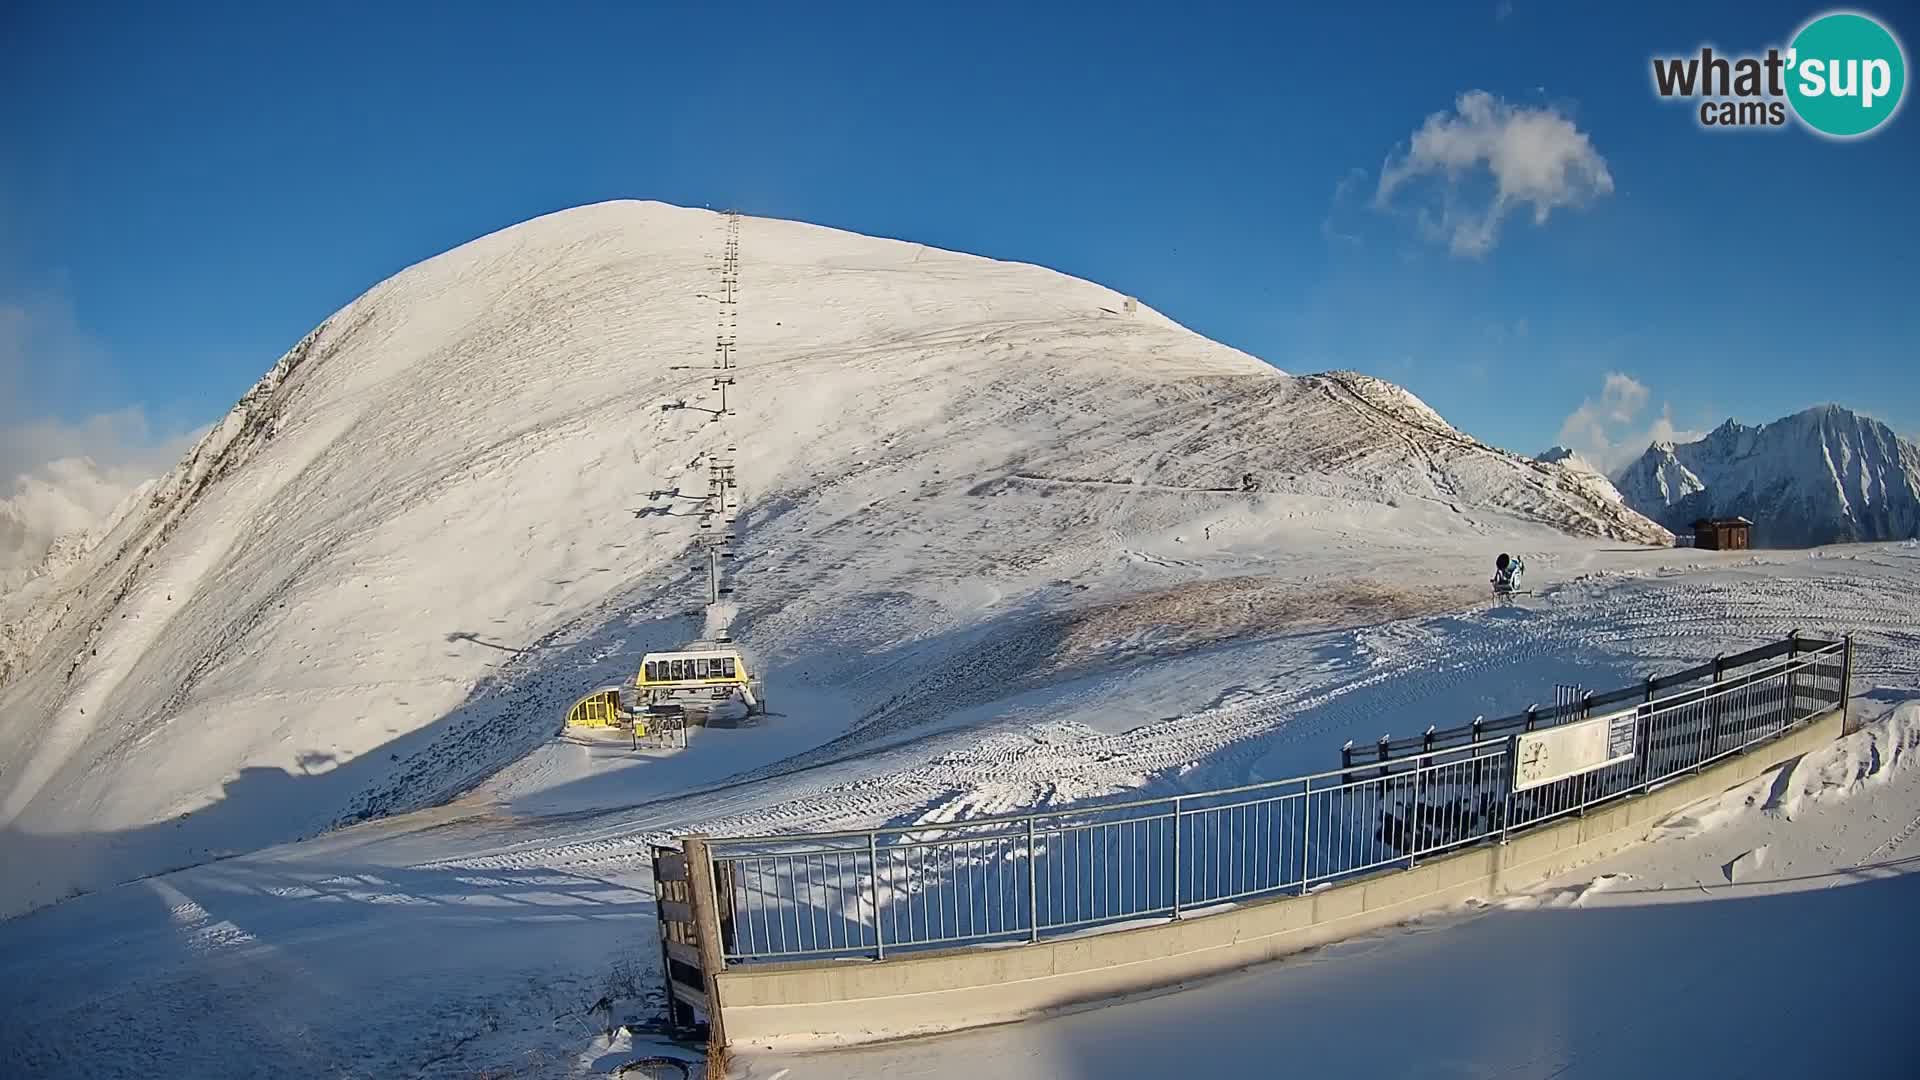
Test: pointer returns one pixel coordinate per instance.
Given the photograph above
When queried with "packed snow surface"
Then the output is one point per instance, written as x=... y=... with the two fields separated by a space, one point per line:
x=467 y=498
x=1826 y=475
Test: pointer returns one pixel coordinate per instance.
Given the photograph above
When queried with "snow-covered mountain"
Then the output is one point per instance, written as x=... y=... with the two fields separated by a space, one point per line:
x=54 y=518
x=1560 y=455
x=54 y=512
x=1584 y=471
x=462 y=500
x=1826 y=475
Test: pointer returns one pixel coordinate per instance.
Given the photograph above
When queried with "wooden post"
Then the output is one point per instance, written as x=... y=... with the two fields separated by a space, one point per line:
x=706 y=921
x=674 y=1006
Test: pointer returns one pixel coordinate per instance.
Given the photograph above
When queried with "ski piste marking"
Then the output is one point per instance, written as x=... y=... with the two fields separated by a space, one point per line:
x=1891 y=844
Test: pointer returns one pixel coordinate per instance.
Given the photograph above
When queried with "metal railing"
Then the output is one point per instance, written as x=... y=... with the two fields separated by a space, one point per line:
x=1574 y=702
x=1020 y=878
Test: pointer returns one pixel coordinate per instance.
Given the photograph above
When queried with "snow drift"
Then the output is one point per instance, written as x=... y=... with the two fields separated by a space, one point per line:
x=479 y=467
x=1823 y=476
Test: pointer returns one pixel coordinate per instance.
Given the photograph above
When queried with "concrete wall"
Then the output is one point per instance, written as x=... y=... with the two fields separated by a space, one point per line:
x=851 y=1001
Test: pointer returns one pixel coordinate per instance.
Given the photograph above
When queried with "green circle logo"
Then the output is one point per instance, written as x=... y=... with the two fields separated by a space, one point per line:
x=1845 y=75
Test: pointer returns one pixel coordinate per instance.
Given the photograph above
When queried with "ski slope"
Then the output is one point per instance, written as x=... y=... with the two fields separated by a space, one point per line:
x=459 y=503
x=475 y=937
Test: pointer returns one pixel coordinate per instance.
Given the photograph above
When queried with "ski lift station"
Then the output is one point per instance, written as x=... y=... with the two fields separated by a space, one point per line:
x=707 y=679
x=706 y=684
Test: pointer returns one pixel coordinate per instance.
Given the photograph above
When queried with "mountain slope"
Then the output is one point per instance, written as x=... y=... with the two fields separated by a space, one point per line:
x=1572 y=459
x=453 y=507
x=1825 y=475
x=54 y=513
x=1584 y=471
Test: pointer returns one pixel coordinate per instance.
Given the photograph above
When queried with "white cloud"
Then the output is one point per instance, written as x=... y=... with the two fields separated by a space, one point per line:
x=1608 y=430
x=59 y=475
x=46 y=361
x=121 y=442
x=1535 y=157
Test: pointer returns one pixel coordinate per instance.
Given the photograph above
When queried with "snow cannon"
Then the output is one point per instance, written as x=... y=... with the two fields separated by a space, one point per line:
x=1506 y=574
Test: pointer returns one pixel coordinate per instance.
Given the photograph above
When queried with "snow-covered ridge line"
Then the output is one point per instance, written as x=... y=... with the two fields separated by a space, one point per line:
x=1824 y=475
x=144 y=521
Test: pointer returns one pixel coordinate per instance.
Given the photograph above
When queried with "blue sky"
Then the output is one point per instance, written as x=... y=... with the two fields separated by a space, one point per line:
x=184 y=192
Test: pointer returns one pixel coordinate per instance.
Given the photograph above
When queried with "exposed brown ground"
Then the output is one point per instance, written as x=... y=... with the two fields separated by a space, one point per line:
x=1206 y=612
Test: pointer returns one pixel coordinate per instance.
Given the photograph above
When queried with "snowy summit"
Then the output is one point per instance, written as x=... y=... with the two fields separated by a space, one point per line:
x=1560 y=455
x=1822 y=476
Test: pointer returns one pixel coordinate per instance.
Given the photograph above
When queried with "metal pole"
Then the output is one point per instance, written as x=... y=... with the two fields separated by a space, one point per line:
x=1306 y=831
x=1033 y=886
x=1506 y=801
x=1586 y=779
x=1646 y=740
x=1793 y=674
x=1176 y=856
x=879 y=934
x=1714 y=710
x=1846 y=684
x=1413 y=823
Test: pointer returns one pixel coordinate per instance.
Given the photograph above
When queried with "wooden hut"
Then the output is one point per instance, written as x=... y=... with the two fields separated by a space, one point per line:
x=1723 y=534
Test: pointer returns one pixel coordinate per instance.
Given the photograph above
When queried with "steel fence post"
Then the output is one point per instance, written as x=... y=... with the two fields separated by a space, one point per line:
x=1846 y=684
x=1586 y=779
x=1413 y=813
x=1646 y=740
x=1033 y=886
x=1506 y=798
x=873 y=865
x=1176 y=856
x=1306 y=832
x=1719 y=701
x=1793 y=674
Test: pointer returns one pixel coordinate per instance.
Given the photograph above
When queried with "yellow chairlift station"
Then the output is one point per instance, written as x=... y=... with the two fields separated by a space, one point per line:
x=698 y=674
x=603 y=709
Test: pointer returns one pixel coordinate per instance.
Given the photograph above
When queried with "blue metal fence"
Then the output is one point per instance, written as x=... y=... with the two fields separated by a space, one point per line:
x=879 y=892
